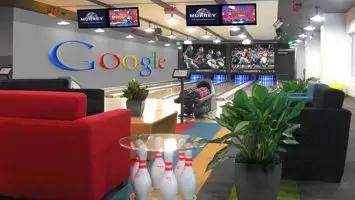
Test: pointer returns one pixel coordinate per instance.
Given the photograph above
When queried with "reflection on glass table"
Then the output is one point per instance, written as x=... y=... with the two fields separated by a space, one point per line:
x=168 y=183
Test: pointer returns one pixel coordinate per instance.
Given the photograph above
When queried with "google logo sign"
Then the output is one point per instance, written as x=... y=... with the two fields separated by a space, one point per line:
x=147 y=63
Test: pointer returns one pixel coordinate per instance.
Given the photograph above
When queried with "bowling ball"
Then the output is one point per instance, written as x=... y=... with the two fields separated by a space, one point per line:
x=336 y=85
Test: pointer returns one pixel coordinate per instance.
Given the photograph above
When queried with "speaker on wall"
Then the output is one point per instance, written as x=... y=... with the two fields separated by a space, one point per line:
x=233 y=33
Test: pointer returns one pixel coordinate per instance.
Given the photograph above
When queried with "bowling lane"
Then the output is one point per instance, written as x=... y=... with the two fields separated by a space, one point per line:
x=225 y=87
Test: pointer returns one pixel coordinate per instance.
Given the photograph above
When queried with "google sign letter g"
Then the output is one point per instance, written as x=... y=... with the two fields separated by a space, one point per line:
x=53 y=56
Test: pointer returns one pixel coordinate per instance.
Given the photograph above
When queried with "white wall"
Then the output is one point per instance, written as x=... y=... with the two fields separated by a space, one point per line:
x=6 y=18
x=34 y=35
x=350 y=21
x=335 y=50
x=350 y=29
x=313 y=56
x=300 y=61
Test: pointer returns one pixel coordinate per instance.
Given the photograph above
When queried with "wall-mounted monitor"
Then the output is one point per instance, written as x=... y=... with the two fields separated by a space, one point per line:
x=252 y=58
x=238 y=14
x=205 y=58
x=94 y=18
x=203 y=15
x=123 y=17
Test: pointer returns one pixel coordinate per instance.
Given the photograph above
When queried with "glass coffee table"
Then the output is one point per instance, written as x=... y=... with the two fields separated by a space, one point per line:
x=163 y=180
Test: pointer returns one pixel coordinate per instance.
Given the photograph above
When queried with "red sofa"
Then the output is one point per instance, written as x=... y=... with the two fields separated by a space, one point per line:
x=50 y=149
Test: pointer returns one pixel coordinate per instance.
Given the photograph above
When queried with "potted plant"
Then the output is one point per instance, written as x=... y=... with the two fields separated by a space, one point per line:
x=136 y=96
x=260 y=126
x=295 y=86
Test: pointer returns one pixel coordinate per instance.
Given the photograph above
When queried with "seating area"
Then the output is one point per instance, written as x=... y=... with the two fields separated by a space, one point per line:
x=56 y=138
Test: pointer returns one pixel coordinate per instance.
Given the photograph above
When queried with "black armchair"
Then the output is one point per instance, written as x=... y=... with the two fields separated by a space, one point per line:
x=323 y=138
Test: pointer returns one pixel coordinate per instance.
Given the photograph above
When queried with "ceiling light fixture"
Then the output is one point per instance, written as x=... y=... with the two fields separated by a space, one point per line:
x=206 y=36
x=318 y=17
x=187 y=41
x=172 y=36
x=172 y=20
x=151 y=41
x=311 y=37
x=242 y=36
x=234 y=28
x=298 y=41
x=149 y=29
x=191 y=29
x=295 y=44
x=180 y=47
x=217 y=40
x=309 y=26
x=99 y=30
x=302 y=35
x=167 y=44
x=246 y=41
x=63 y=22
x=129 y=36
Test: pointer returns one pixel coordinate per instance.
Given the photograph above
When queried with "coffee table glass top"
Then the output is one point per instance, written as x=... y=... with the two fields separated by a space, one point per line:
x=161 y=142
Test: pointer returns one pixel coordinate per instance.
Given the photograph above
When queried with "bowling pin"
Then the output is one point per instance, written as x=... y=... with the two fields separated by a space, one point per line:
x=135 y=167
x=187 y=183
x=142 y=180
x=158 y=169
x=168 y=184
x=158 y=166
x=181 y=162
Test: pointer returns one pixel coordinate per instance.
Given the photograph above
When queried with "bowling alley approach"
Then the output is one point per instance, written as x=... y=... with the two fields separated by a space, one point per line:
x=177 y=99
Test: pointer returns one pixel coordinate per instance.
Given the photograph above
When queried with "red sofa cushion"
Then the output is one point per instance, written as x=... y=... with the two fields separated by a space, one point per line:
x=42 y=105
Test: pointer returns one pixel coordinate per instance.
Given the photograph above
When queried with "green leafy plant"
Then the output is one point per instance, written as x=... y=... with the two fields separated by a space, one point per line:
x=313 y=79
x=135 y=92
x=297 y=86
x=260 y=126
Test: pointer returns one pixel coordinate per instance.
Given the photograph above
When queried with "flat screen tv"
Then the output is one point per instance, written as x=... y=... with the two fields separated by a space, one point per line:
x=93 y=18
x=205 y=58
x=123 y=17
x=255 y=57
x=238 y=14
x=203 y=15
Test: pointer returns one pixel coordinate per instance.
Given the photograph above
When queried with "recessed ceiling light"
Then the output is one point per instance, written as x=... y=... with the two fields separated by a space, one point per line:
x=99 y=30
x=179 y=47
x=191 y=29
x=172 y=36
x=167 y=44
x=149 y=29
x=129 y=36
x=63 y=22
x=242 y=36
x=234 y=28
x=151 y=41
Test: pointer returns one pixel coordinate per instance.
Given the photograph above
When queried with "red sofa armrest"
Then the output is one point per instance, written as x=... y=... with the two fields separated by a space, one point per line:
x=110 y=163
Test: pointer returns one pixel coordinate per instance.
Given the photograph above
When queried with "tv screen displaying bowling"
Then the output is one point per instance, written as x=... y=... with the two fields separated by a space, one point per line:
x=252 y=58
x=205 y=58
x=123 y=17
x=239 y=14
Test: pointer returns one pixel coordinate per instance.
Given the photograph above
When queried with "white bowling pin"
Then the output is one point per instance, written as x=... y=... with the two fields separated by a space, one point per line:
x=135 y=166
x=142 y=181
x=187 y=183
x=168 y=184
x=179 y=168
x=158 y=169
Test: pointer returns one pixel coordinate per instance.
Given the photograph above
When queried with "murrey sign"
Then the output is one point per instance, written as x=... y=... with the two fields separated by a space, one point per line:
x=147 y=62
